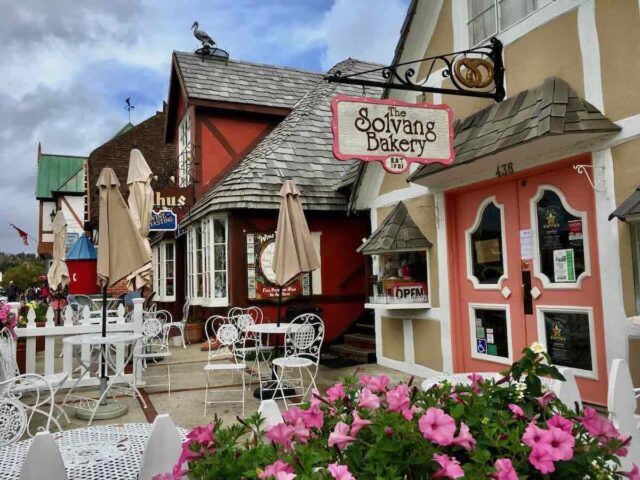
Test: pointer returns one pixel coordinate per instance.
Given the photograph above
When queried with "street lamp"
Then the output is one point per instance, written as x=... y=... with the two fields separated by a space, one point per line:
x=52 y=215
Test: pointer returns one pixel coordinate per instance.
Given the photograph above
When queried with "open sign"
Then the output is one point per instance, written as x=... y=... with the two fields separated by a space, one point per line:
x=409 y=291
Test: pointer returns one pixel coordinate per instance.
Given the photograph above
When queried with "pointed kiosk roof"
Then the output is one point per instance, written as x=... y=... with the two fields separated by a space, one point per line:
x=83 y=249
x=398 y=232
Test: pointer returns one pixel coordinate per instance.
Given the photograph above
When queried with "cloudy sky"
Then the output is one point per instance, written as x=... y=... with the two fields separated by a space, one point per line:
x=68 y=65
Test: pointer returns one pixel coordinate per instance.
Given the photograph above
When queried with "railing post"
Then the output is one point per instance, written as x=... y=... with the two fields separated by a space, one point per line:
x=137 y=328
x=30 y=364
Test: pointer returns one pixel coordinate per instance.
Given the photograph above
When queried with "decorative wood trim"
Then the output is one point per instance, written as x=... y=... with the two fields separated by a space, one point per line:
x=73 y=213
x=220 y=137
x=240 y=107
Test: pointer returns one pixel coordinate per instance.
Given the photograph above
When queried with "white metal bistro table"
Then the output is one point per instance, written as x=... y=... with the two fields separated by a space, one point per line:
x=90 y=453
x=106 y=346
x=268 y=391
x=458 y=378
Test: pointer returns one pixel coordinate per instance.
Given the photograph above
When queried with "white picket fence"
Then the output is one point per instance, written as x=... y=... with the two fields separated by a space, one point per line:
x=51 y=332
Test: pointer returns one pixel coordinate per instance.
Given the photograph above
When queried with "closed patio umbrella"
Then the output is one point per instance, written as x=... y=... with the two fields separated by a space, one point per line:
x=58 y=274
x=140 y=206
x=294 y=251
x=121 y=250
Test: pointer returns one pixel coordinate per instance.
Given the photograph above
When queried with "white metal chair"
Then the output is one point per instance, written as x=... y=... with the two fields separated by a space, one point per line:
x=163 y=448
x=154 y=345
x=302 y=344
x=16 y=413
x=43 y=460
x=182 y=324
x=228 y=336
x=245 y=318
x=9 y=370
x=621 y=403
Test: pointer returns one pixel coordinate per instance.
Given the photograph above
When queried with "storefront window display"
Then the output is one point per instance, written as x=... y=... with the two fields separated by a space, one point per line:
x=402 y=278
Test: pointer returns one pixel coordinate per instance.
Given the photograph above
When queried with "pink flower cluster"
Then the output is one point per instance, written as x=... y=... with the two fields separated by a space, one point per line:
x=549 y=445
x=8 y=319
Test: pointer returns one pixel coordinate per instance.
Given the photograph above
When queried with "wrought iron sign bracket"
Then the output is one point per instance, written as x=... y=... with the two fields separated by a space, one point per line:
x=477 y=72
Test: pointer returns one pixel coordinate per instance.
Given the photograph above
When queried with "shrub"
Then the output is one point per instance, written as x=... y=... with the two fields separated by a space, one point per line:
x=366 y=429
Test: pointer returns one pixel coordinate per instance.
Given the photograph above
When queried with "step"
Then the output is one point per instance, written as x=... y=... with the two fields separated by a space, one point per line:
x=362 y=355
x=365 y=328
x=360 y=340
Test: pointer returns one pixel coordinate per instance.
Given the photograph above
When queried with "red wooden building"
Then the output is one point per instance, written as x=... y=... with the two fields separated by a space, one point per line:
x=240 y=129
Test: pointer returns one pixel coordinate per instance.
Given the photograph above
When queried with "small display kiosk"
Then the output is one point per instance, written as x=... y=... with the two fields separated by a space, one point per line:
x=82 y=264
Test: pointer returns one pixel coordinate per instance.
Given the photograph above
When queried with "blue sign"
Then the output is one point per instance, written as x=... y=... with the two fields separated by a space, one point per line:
x=163 y=221
x=481 y=345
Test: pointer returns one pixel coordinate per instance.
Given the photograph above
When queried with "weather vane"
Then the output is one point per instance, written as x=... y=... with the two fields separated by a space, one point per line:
x=128 y=107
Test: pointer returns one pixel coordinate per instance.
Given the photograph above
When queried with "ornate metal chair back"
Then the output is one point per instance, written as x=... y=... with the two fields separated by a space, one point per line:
x=304 y=337
x=185 y=310
x=153 y=333
x=8 y=363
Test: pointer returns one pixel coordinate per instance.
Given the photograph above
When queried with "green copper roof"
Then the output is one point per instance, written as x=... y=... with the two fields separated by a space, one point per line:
x=60 y=173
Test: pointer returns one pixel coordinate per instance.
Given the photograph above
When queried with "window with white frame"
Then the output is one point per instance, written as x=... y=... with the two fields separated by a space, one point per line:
x=489 y=17
x=184 y=152
x=207 y=262
x=164 y=279
x=635 y=252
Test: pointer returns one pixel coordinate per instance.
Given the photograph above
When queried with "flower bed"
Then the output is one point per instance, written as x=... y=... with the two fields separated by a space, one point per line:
x=366 y=429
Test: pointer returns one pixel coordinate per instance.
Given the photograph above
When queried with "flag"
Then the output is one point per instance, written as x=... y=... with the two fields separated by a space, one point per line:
x=23 y=235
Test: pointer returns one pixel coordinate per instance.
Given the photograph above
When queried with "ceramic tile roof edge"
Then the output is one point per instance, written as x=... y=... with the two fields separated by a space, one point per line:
x=627 y=206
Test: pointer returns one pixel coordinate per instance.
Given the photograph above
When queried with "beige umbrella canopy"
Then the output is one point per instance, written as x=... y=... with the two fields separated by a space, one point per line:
x=58 y=275
x=121 y=250
x=294 y=251
x=140 y=206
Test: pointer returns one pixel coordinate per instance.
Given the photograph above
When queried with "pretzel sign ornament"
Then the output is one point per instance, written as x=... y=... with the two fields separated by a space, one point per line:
x=392 y=132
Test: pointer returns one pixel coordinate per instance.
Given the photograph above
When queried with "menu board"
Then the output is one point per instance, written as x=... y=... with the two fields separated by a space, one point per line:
x=568 y=339
x=261 y=278
x=491 y=332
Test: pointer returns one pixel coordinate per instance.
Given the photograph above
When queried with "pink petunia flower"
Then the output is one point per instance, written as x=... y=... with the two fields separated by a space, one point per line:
x=398 y=398
x=561 y=444
x=313 y=417
x=300 y=432
x=340 y=472
x=336 y=392
x=368 y=400
x=314 y=398
x=408 y=413
x=340 y=436
x=558 y=421
x=281 y=434
x=547 y=398
x=541 y=459
x=599 y=427
x=203 y=434
x=275 y=468
x=437 y=426
x=464 y=438
x=376 y=383
x=449 y=467
x=505 y=470
x=358 y=423
x=294 y=413
x=475 y=382
x=534 y=435
x=285 y=476
x=634 y=474
x=516 y=411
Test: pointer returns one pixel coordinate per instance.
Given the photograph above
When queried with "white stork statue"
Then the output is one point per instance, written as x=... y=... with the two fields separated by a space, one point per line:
x=202 y=36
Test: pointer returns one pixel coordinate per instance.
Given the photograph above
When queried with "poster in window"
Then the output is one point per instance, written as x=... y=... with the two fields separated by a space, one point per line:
x=261 y=279
x=492 y=336
x=569 y=339
x=488 y=251
x=564 y=266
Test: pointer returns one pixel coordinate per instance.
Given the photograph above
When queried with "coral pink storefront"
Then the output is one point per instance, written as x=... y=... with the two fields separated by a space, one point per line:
x=524 y=264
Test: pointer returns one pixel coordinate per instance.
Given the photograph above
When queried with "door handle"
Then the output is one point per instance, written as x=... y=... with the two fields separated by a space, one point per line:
x=527 y=295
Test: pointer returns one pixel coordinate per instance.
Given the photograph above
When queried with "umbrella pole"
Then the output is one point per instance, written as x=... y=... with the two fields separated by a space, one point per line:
x=103 y=360
x=280 y=305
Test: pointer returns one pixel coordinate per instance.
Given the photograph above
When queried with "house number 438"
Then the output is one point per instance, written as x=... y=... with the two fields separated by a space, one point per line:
x=504 y=169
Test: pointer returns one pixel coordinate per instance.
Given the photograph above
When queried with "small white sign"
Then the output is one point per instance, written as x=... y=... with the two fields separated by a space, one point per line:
x=564 y=266
x=526 y=244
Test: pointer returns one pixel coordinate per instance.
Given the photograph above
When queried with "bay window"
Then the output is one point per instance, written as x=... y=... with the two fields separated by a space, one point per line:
x=164 y=271
x=489 y=17
x=207 y=262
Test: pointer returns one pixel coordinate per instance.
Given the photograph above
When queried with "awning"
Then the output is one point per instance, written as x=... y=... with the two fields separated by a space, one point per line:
x=629 y=209
x=398 y=232
x=543 y=119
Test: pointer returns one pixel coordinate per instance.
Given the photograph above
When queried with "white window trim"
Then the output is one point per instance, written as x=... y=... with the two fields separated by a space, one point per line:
x=467 y=235
x=537 y=272
x=159 y=265
x=542 y=336
x=223 y=301
x=472 y=332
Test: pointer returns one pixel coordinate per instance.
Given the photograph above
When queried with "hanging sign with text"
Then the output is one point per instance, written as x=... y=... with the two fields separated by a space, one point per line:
x=392 y=132
x=163 y=221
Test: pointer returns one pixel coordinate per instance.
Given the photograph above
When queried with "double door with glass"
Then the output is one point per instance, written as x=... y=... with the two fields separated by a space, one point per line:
x=525 y=255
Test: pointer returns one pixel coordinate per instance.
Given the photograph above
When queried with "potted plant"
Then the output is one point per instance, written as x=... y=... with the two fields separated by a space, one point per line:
x=194 y=330
x=365 y=428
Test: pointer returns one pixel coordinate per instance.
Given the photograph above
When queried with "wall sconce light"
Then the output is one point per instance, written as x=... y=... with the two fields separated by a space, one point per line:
x=52 y=215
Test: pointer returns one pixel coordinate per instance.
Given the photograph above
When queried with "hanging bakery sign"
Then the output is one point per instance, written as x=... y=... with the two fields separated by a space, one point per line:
x=392 y=132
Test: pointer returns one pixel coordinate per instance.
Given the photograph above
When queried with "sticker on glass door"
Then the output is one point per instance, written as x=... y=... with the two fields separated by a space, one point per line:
x=490 y=329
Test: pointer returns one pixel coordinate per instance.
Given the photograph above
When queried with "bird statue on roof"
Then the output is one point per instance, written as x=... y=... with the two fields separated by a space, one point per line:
x=202 y=36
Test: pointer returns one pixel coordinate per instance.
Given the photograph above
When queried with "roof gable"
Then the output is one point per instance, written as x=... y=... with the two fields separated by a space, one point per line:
x=300 y=148
x=398 y=232
x=59 y=173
